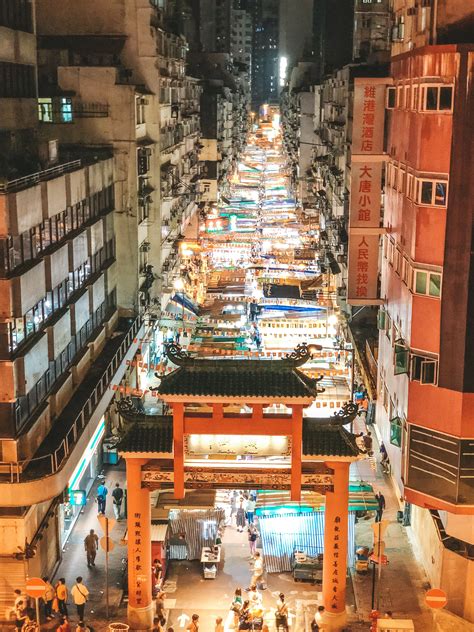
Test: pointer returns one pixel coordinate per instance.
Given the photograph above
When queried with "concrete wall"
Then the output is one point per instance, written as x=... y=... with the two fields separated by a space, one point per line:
x=426 y=543
x=29 y=289
x=57 y=267
x=445 y=569
x=80 y=311
x=17 y=46
x=59 y=335
x=36 y=363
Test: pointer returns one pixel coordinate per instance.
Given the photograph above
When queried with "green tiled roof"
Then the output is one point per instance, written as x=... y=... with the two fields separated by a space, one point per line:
x=156 y=437
x=325 y=439
x=257 y=378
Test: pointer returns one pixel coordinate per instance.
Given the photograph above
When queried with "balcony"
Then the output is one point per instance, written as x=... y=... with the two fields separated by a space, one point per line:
x=70 y=430
x=39 y=176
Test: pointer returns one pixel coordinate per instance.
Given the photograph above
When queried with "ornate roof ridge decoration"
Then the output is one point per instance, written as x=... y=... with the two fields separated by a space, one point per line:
x=131 y=414
x=296 y=358
x=345 y=415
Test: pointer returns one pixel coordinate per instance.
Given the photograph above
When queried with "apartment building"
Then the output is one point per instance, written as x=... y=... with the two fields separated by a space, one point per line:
x=425 y=407
x=146 y=85
x=241 y=38
x=224 y=114
x=98 y=182
x=64 y=337
x=265 y=63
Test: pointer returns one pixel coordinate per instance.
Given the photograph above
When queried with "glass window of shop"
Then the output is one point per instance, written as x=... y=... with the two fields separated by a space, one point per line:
x=82 y=478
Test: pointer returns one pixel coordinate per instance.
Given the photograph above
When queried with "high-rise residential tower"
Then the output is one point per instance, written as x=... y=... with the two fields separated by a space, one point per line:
x=425 y=407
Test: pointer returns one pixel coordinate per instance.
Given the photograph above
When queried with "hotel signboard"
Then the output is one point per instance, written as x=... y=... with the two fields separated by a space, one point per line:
x=366 y=190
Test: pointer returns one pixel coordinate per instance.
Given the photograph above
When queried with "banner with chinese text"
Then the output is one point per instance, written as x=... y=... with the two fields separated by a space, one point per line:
x=366 y=190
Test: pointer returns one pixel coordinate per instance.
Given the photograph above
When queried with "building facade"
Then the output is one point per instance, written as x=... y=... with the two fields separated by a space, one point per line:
x=98 y=182
x=241 y=38
x=65 y=337
x=265 y=53
x=425 y=345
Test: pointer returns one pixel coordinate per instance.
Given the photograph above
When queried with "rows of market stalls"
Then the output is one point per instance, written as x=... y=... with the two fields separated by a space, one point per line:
x=265 y=294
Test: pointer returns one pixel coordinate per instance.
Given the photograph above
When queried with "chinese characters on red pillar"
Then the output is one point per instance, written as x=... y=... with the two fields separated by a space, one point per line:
x=137 y=569
x=337 y=576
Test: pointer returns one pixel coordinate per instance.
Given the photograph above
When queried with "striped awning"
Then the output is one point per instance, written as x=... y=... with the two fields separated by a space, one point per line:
x=361 y=498
x=284 y=533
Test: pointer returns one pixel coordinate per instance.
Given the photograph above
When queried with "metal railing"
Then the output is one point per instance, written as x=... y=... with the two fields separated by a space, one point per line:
x=51 y=463
x=34 y=178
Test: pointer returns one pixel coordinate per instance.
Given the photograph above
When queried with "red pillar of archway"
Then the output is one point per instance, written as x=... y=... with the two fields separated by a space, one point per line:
x=296 y=452
x=140 y=602
x=336 y=527
x=178 y=449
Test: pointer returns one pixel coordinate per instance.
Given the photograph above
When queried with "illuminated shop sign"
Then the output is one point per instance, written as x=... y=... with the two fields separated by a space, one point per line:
x=198 y=445
x=78 y=497
x=87 y=456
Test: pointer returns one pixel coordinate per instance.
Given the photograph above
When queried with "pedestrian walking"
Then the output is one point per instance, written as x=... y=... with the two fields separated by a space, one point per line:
x=233 y=504
x=20 y=614
x=244 y=617
x=117 y=496
x=49 y=595
x=160 y=607
x=102 y=492
x=252 y=537
x=381 y=506
x=29 y=623
x=318 y=622
x=19 y=597
x=250 y=509
x=157 y=569
x=254 y=597
x=236 y=606
x=156 y=625
x=257 y=570
x=194 y=625
x=64 y=625
x=240 y=518
x=368 y=442
x=79 y=593
x=219 y=625
x=384 y=460
x=61 y=594
x=281 y=613
x=360 y=443
x=91 y=544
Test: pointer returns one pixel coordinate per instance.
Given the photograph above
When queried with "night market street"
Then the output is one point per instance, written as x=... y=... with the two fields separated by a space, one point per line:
x=236 y=309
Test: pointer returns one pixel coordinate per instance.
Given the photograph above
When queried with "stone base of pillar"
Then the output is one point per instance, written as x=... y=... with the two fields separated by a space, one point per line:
x=141 y=618
x=334 y=621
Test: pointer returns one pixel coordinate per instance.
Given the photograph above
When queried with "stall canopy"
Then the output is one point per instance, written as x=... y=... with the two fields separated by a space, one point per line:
x=183 y=300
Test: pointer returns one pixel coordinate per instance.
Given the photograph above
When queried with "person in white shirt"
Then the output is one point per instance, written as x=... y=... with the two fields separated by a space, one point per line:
x=20 y=597
x=79 y=593
x=250 y=509
x=254 y=597
x=318 y=621
x=257 y=570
